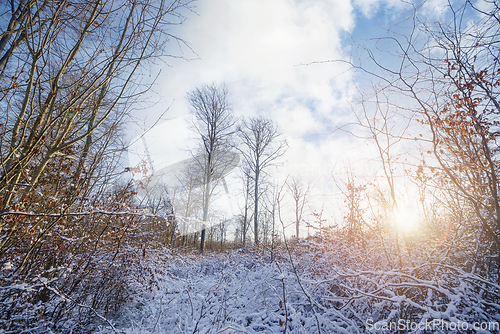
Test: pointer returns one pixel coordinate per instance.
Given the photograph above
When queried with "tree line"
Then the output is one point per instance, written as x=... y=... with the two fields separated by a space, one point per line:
x=257 y=140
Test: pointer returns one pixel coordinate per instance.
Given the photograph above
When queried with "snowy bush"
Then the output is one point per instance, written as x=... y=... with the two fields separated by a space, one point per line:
x=329 y=281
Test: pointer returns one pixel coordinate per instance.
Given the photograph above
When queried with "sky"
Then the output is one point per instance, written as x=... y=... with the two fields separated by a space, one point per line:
x=271 y=55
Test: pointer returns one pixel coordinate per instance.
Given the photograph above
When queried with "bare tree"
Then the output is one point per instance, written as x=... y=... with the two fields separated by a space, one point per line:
x=246 y=176
x=69 y=88
x=68 y=76
x=211 y=109
x=299 y=193
x=448 y=73
x=70 y=82
x=259 y=136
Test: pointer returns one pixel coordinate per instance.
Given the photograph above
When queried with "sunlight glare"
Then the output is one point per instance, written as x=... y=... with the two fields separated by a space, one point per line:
x=406 y=219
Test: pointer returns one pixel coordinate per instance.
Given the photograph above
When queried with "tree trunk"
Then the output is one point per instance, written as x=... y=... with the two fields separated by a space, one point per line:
x=256 y=207
x=206 y=201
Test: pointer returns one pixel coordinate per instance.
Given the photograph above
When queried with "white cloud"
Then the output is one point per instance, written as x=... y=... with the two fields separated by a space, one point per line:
x=434 y=8
x=257 y=48
x=370 y=7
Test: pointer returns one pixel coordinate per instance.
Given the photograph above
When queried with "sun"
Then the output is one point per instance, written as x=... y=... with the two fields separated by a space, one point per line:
x=406 y=219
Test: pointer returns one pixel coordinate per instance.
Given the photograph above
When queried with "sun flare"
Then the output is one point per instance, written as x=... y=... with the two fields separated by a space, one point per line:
x=406 y=219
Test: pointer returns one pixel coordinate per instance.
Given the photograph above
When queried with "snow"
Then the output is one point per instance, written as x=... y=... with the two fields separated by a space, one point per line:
x=223 y=293
x=327 y=284
x=7 y=266
x=243 y=291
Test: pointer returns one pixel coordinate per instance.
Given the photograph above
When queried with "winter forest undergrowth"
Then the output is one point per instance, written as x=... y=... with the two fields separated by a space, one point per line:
x=88 y=244
x=322 y=281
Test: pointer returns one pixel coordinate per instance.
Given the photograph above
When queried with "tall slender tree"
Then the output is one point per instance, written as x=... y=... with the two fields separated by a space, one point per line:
x=260 y=138
x=213 y=113
x=300 y=194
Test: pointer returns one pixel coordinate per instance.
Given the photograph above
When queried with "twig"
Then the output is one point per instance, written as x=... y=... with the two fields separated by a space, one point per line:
x=293 y=265
x=84 y=213
x=67 y=298
x=282 y=279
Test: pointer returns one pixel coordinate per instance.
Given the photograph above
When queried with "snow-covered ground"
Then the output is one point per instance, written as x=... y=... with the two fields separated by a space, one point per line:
x=230 y=292
x=329 y=285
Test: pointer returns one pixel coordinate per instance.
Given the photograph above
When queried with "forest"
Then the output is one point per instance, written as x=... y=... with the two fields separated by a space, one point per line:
x=89 y=243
